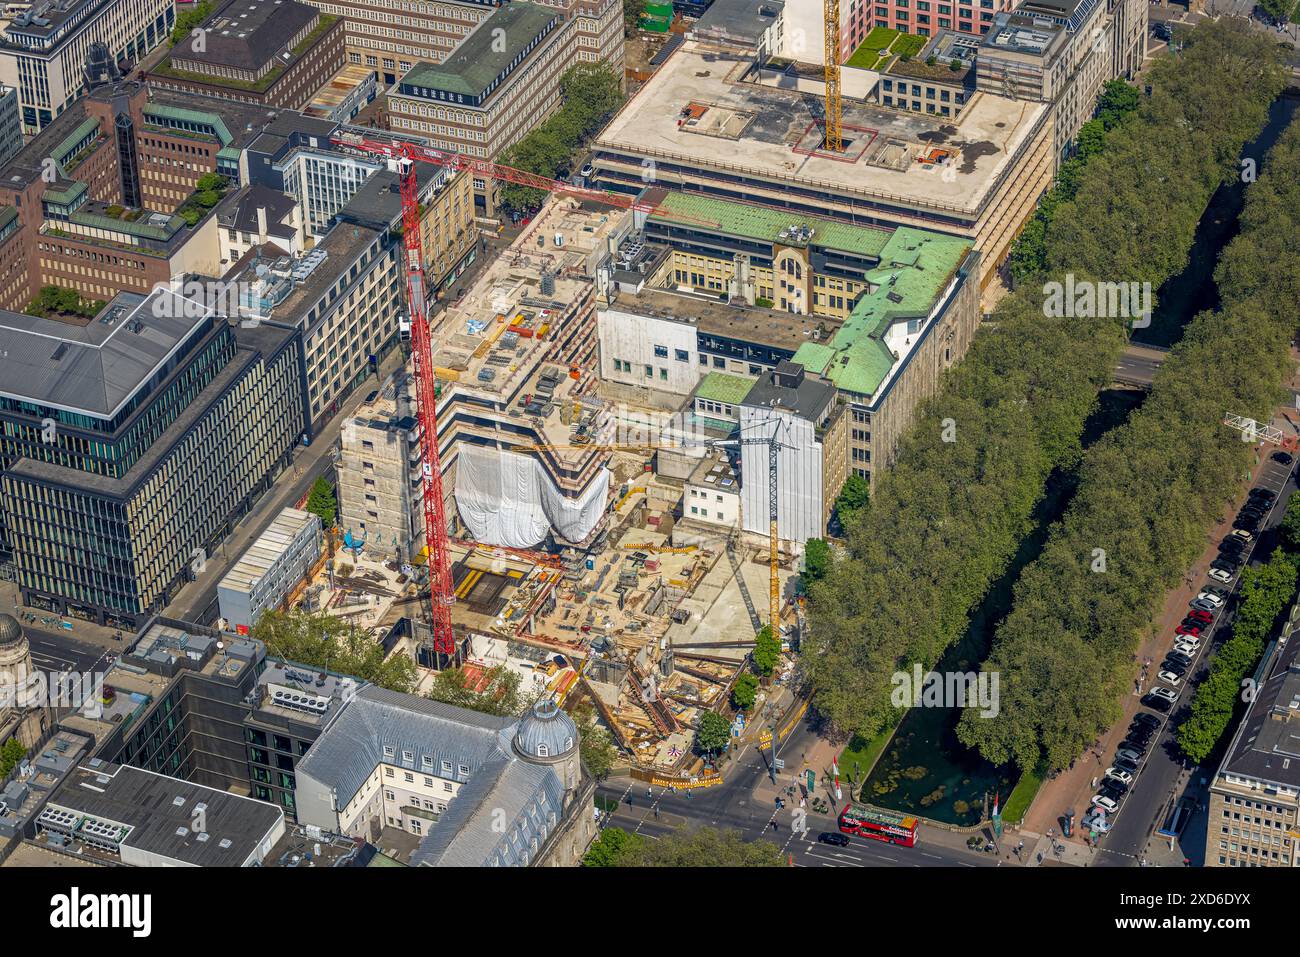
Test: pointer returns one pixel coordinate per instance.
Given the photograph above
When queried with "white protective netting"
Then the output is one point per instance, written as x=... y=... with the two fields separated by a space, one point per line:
x=508 y=499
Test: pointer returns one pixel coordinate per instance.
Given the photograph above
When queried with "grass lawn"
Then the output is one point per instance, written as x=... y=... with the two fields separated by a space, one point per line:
x=862 y=754
x=881 y=44
x=909 y=45
x=1021 y=796
x=868 y=53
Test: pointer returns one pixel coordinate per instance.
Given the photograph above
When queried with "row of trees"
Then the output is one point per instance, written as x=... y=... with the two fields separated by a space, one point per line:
x=702 y=847
x=947 y=519
x=1029 y=255
x=1265 y=592
x=591 y=93
x=1146 y=494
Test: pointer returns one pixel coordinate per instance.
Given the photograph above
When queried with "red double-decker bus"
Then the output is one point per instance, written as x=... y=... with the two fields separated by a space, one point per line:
x=878 y=825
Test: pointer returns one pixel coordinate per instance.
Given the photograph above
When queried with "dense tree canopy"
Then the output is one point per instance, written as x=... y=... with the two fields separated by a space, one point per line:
x=1146 y=495
x=495 y=691
x=702 y=847
x=591 y=93
x=321 y=640
x=946 y=520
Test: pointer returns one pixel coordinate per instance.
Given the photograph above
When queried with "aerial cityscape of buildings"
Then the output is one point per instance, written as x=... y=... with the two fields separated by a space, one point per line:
x=517 y=433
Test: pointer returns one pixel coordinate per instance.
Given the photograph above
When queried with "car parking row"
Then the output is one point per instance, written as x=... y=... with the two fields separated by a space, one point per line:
x=1190 y=639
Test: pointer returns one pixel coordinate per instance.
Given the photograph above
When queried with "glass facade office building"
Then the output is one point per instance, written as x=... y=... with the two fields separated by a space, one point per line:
x=130 y=446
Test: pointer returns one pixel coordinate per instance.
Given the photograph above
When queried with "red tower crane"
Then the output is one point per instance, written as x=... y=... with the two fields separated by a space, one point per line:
x=407 y=154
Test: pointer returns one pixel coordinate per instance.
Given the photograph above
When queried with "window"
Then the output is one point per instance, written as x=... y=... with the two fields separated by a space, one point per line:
x=681 y=355
x=446 y=786
x=661 y=352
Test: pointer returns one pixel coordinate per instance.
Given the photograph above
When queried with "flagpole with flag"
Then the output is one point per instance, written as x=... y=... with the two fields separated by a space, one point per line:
x=997 y=816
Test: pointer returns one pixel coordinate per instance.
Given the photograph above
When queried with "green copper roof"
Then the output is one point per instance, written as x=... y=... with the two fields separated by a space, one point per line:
x=66 y=196
x=143 y=230
x=765 y=224
x=721 y=387
x=177 y=114
x=477 y=61
x=63 y=152
x=915 y=267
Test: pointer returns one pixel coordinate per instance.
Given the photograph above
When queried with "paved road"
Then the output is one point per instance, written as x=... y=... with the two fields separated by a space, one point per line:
x=58 y=651
x=1138 y=365
x=735 y=805
x=1162 y=778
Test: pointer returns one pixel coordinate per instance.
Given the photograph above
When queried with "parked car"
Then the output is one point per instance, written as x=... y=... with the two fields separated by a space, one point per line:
x=1212 y=596
x=1164 y=694
x=1204 y=604
x=1107 y=804
x=1182 y=657
x=1124 y=764
x=1202 y=616
x=1248 y=522
x=1129 y=754
x=1095 y=820
x=1283 y=457
x=587 y=171
x=1115 y=790
x=1169 y=678
x=1219 y=575
x=1190 y=649
x=1120 y=775
x=1173 y=667
x=1263 y=494
x=1232 y=546
x=1192 y=630
x=1146 y=718
x=1159 y=704
x=1141 y=736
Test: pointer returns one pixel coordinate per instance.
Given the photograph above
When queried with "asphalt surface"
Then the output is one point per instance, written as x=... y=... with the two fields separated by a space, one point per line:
x=1163 y=779
x=1138 y=365
x=734 y=805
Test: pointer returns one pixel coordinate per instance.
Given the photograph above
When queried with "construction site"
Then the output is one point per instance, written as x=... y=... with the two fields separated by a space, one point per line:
x=557 y=539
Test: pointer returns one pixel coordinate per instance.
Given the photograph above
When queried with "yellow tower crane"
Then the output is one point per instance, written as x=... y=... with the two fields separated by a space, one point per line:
x=834 y=130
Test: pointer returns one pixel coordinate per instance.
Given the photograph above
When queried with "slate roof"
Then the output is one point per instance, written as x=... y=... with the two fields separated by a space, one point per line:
x=467 y=833
x=245 y=34
x=1267 y=743
x=239 y=210
x=93 y=368
x=476 y=62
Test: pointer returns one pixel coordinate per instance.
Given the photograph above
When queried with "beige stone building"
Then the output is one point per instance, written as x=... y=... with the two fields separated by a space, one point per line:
x=504 y=79
x=705 y=124
x=1255 y=795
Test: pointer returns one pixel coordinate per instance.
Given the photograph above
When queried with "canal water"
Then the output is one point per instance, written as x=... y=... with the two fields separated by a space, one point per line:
x=925 y=770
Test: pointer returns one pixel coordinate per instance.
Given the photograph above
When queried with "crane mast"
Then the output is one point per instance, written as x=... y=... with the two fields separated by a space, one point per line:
x=406 y=154
x=441 y=594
